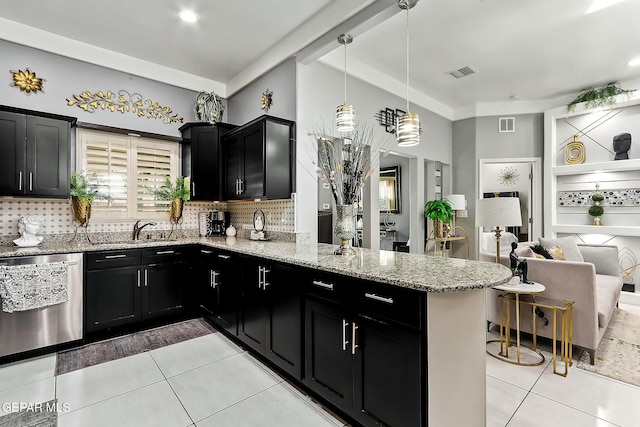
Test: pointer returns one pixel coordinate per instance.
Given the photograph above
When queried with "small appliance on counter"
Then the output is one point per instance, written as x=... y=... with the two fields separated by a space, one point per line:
x=213 y=223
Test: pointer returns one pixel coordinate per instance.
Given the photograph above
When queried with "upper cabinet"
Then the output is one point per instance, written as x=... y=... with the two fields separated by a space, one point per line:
x=35 y=155
x=202 y=159
x=580 y=156
x=260 y=160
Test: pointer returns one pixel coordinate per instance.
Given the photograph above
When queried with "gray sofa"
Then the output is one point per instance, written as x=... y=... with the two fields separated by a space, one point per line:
x=594 y=285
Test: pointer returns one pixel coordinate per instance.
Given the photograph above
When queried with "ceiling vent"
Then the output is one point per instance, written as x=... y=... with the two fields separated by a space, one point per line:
x=506 y=124
x=462 y=72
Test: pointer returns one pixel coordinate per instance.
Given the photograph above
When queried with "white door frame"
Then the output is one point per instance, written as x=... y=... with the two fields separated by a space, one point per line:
x=535 y=202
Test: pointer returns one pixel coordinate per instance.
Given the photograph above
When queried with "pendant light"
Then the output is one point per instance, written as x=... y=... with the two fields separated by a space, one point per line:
x=408 y=125
x=345 y=115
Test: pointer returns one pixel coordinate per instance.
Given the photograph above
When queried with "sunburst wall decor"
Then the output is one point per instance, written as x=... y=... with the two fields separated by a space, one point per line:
x=124 y=101
x=27 y=81
x=266 y=100
x=508 y=176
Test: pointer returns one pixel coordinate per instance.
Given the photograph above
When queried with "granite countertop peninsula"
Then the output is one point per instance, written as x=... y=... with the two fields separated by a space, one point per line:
x=415 y=271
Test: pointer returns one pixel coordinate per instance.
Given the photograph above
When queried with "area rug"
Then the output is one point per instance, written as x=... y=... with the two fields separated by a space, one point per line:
x=618 y=355
x=129 y=345
x=41 y=415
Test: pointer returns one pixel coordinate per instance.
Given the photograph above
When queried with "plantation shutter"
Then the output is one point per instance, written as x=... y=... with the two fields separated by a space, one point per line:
x=153 y=165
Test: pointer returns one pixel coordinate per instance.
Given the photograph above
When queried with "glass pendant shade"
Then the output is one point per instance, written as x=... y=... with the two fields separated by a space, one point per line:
x=408 y=130
x=345 y=117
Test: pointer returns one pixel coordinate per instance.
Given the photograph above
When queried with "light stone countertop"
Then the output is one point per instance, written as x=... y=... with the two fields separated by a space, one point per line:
x=415 y=271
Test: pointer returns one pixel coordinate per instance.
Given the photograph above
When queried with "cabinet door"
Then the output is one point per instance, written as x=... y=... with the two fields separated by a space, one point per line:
x=387 y=381
x=48 y=157
x=112 y=298
x=253 y=165
x=164 y=289
x=328 y=359
x=253 y=310
x=279 y=160
x=12 y=153
x=205 y=279
x=233 y=154
x=284 y=318
x=227 y=288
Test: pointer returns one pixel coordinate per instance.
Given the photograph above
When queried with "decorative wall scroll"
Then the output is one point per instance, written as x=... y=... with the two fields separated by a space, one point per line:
x=624 y=197
x=27 y=81
x=124 y=101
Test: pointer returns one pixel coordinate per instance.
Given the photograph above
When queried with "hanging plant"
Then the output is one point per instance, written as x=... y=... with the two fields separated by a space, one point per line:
x=599 y=96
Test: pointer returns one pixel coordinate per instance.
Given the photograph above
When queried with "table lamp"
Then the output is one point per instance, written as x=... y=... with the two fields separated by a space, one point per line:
x=498 y=211
x=458 y=203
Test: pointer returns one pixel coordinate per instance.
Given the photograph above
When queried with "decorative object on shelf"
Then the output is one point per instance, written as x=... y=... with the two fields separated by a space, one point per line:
x=508 y=176
x=267 y=100
x=345 y=229
x=28 y=227
x=596 y=211
x=441 y=213
x=259 y=224
x=84 y=189
x=612 y=197
x=621 y=145
x=599 y=96
x=125 y=101
x=208 y=108
x=408 y=124
x=176 y=194
x=628 y=265
x=345 y=114
x=231 y=231
x=27 y=81
x=574 y=153
x=495 y=212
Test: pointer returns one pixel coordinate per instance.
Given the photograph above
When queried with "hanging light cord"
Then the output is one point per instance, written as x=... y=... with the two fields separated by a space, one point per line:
x=345 y=72
x=407 y=57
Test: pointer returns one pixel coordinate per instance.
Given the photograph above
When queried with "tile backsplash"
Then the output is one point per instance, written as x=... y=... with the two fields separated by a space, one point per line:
x=58 y=217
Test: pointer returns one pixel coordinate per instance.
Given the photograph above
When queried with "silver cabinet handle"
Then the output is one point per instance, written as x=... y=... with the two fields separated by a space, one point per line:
x=204 y=251
x=345 y=342
x=146 y=281
x=30 y=181
x=224 y=256
x=20 y=181
x=265 y=270
x=379 y=298
x=237 y=186
x=214 y=277
x=193 y=188
x=138 y=278
x=165 y=252
x=354 y=328
x=323 y=284
x=259 y=277
x=115 y=256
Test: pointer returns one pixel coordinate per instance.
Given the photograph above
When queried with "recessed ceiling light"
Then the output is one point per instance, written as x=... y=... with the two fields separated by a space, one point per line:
x=601 y=4
x=634 y=62
x=188 y=16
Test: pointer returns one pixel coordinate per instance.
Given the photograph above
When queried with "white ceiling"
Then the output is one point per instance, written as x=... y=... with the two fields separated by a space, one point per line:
x=533 y=49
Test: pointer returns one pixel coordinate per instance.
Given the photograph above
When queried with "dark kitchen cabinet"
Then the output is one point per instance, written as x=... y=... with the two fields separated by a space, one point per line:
x=219 y=287
x=202 y=159
x=164 y=271
x=260 y=160
x=35 y=155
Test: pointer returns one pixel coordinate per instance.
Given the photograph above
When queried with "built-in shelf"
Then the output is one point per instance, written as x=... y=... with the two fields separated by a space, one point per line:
x=595 y=167
x=597 y=229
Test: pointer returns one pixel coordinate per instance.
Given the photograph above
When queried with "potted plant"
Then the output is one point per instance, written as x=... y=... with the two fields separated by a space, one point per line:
x=175 y=193
x=84 y=189
x=440 y=212
x=596 y=210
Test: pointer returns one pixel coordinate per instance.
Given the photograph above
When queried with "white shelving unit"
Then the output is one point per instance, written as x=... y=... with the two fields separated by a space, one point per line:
x=601 y=125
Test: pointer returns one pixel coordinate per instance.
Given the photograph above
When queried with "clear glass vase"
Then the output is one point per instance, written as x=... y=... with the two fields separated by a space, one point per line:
x=344 y=229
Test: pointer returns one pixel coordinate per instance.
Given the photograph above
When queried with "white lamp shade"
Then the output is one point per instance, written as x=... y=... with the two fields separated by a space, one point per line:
x=498 y=211
x=457 y=201
x=345 y=117
x=408 y=130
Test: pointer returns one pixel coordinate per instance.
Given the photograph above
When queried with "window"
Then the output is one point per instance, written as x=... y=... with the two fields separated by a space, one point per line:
x=128 y=169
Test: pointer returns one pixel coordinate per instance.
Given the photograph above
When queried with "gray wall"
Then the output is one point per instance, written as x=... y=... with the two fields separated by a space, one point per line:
x=65 y=77
x=245 y=105
x=464 y=177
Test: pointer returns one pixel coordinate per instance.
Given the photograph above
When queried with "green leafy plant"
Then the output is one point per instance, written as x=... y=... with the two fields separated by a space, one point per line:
x=599 y=96
x=171 y=191
x=596 y=209
x=86 y=187
x=438 y=209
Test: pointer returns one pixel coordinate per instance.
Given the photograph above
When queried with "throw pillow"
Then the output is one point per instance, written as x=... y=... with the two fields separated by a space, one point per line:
x=556 y=253
x=568 y=245
x=538 y=249
x=525 y=252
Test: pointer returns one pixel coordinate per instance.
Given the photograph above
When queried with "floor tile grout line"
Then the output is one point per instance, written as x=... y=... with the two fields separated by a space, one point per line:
x=201 y=366
x=575 y=409
x=181 y=404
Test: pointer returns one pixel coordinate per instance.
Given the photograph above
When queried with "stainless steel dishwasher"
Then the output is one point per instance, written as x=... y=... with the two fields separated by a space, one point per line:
x=42 y=327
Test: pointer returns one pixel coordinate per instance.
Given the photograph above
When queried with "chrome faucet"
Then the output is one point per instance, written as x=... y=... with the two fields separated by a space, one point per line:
x=137 y=229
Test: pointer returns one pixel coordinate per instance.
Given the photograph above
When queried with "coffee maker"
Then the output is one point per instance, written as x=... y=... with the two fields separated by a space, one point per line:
x=218 y=221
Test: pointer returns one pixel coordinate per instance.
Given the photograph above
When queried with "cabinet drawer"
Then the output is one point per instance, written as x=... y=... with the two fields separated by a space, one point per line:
x=326 y=286
x=380 y=301
x=162 y=254
x=112 y=259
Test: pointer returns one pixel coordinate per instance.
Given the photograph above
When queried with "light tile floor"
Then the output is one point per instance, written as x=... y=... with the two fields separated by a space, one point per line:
x=209 y=381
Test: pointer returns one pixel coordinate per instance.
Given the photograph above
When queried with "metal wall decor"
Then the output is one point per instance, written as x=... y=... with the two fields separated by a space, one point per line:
x=574 y=153
x=388 y=118
x=123 y=101
x=617 y=197
x=267 y=100
x=508 y=176
x=628 y=264
x=27 y=81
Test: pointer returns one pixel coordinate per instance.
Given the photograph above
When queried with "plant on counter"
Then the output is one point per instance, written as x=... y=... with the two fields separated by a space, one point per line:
x=176 y=193
x=84 y=189
x=441 y=213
